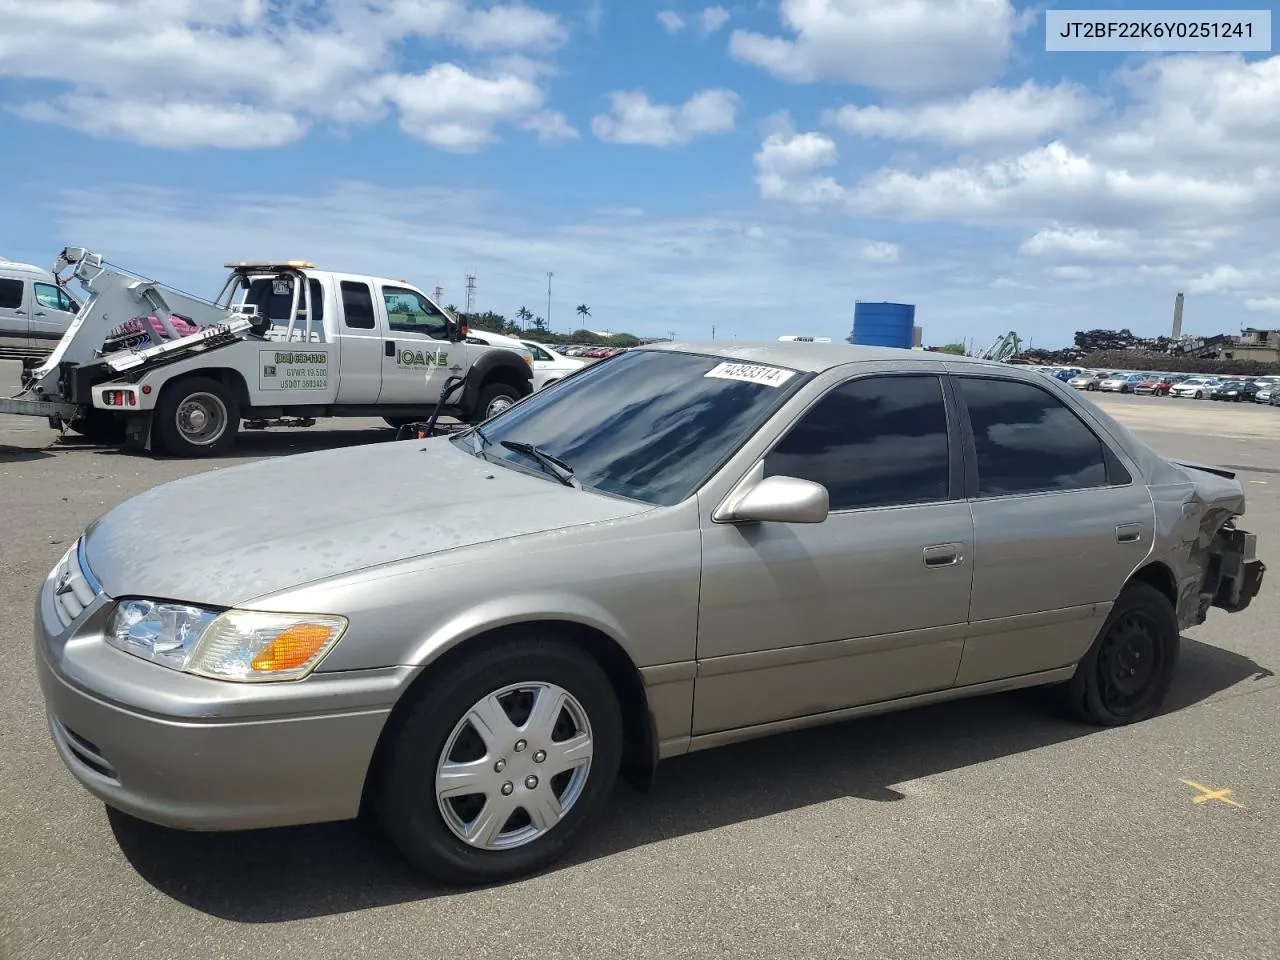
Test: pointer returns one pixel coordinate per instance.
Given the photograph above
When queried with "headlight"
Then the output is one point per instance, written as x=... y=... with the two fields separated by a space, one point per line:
x=241 y=645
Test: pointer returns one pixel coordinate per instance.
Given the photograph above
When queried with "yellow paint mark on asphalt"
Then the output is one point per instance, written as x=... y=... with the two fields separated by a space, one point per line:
x=1206 y=794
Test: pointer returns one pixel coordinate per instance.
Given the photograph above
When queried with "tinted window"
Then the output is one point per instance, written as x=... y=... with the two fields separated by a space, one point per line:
x=650 y=425
x=1028 y=440
x=872 y=442
x=409 y=312
x=10 y=293
x=357 y=305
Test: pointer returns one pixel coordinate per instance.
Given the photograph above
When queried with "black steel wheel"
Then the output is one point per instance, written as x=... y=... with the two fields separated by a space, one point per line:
x=1127 y=673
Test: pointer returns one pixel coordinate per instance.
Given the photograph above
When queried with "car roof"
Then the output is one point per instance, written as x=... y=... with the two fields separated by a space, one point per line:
x=811 y=357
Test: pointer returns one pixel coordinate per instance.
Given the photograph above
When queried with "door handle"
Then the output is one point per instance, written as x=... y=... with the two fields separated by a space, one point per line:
x=1128 y=532
x=391 y=348
x=943 y=555
x=39 y=313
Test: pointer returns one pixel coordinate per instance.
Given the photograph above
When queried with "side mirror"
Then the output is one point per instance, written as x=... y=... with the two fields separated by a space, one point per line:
x=781 y=500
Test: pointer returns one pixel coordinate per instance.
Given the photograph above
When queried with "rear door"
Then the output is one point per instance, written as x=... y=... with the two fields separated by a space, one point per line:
x=361 y=357
x=15 y=319
x=52 y=311
x=1060 y=523
x=418 y=355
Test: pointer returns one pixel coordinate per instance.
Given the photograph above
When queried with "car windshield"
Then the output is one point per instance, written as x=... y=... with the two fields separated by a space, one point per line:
x=649 y=425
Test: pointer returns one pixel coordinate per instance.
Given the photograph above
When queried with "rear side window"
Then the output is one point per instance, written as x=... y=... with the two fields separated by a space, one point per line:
x=357 y=305
x=10 y=293
x=1028 y=441
x=873 y=442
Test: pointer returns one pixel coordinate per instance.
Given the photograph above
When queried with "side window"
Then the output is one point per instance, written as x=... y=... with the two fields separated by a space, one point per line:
x=409 y=312
x=537 y=351
x=873 y=442
x=357 y=305
x=1029 y=441
x=10 y=294
x=66 y=302
x=47 y=296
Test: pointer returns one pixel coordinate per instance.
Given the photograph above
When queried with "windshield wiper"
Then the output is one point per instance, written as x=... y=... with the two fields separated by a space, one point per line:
x=553 y=465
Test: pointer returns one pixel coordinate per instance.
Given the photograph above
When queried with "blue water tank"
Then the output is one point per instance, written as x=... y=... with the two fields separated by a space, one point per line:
x=883 y=324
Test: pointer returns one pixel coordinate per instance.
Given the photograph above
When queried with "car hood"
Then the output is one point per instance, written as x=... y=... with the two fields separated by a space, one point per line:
x=224 y=537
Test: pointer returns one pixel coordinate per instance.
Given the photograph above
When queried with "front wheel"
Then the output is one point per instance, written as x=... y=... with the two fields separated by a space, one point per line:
x=1127 y=673
x=493 y=399
x=501 y=762
x=1199 y=394
x=196 y=417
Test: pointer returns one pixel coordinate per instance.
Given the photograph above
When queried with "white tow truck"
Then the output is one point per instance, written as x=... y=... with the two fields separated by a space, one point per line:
x=283 y=344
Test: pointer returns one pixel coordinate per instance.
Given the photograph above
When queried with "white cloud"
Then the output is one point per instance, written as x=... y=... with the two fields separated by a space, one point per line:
x=550 y=126
x=787 y=165
x=634 y=119
x=712 y=19
x=227 y=73
x=906 y=46
x=673 y=22
x=993 y=115
x=1262 y=303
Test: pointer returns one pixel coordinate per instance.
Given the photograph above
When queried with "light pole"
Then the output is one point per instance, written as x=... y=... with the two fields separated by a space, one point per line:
x=549 y=276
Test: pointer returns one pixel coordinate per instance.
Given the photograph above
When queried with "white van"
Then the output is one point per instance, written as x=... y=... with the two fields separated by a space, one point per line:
x=34 y=311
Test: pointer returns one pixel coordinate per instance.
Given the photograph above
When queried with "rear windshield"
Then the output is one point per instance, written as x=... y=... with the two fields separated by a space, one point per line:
x=649 y=425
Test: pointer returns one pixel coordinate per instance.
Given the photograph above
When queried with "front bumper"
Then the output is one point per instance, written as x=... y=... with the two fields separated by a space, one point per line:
x=199 y=754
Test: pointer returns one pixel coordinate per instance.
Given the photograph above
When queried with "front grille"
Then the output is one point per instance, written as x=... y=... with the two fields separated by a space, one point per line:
x=74 y=586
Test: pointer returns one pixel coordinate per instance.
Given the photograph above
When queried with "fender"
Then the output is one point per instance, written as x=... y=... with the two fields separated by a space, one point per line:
x=495 y=358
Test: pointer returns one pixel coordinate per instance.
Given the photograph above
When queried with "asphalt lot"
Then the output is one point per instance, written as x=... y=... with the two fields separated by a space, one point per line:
x=985 y=828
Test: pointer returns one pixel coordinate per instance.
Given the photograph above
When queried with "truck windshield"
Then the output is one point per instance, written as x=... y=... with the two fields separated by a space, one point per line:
x=648 y=425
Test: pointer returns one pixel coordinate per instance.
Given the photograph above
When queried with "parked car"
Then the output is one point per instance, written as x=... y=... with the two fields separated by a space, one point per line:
x=1234 y=390
x=550 y=366
x=1088 y=380
x=686 y=546
x=1263 y=394
x=1157 y=385
x=35 y=311
x=1120 y=383
x=1196 y=387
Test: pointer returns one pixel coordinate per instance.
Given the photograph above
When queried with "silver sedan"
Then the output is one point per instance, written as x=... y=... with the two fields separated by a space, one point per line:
x=676 y=548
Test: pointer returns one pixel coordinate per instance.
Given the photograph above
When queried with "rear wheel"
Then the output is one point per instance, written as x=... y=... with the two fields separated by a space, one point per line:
x=1127 y=673
x=501 y=762
x=196 y=417
x=99 y=426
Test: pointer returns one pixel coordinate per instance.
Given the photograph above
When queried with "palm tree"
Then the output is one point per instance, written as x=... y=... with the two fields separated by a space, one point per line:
x=539 y=323
x=584 y=311
x=524 y=315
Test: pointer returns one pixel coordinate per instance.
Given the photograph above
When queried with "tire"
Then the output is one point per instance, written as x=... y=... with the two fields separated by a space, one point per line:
x=100 y=426
x=493 y=399
x=1141 y=624
x=428 y=830
x=176 y=427
x=1199 y=394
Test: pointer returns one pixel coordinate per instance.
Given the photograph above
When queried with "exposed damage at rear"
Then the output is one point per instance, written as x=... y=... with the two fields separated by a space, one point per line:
x=1215 y=562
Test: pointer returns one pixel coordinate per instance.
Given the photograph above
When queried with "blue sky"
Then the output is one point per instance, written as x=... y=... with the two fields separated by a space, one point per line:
x=753 y=166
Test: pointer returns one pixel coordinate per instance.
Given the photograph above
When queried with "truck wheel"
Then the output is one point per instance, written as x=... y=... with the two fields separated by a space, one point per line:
x=1127 y=673
x=100 y=426
x=196 y=417
x=501 y=762
x=493 y=399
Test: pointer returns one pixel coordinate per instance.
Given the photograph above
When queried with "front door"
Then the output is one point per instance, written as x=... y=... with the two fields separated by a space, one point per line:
x=52 y=311
x=869 y=605
x=418 y=355
x=15 y=317
x=1059 y=526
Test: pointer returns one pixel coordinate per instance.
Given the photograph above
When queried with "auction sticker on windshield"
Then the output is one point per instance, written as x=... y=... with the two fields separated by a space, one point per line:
x=751 y=373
